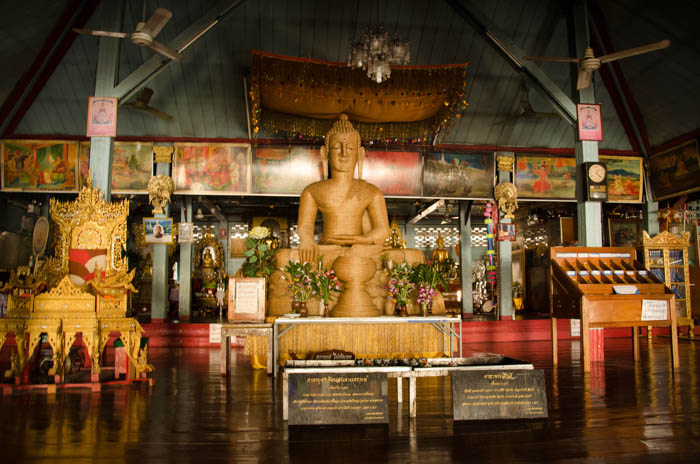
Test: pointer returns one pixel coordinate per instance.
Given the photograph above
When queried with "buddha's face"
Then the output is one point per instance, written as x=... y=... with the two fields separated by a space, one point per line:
x=343 y=152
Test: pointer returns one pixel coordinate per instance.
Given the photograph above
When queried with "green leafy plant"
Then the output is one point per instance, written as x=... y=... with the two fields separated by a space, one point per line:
x=260 y=258
x=428 y=277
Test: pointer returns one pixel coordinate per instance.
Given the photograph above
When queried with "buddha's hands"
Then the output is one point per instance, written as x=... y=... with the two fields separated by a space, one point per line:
x=348 y=239
x=308 y=253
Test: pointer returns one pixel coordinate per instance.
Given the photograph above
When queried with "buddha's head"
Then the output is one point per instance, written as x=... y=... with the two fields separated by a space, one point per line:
x=343 y=148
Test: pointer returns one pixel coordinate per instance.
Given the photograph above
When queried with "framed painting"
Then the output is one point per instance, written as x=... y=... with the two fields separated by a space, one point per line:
x=590 y=123
x=676 y=171
x=285 y=170
x=458 y=175
x=624 y=232
x=246 y=299
x=83 y=164
x=39 y=165
x=158 y=230
x=395 y=173
x=102 y=117
x=625 y=178
x=215 y=169
x=543 y=177
x=132 y=167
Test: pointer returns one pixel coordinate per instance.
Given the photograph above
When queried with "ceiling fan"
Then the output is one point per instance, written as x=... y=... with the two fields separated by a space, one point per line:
x=525 y=109
x=141 y=103
x=589 y=62
x=145 y=33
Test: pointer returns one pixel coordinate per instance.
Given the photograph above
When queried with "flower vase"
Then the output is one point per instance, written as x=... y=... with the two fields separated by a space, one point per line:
x=303 y=311
x=295 y=307
x=424 y=309
x=325 y=309
x=402 y=309
x=429 y=307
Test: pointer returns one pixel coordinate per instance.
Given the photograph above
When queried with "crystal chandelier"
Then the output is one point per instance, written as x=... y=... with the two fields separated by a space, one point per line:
x=376 y=50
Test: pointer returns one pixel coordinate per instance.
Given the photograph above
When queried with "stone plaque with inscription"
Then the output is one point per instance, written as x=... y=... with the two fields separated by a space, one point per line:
x=498 y=394
x=337 y=398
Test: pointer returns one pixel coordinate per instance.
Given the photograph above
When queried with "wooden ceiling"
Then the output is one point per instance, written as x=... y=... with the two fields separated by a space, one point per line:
x=205 y=94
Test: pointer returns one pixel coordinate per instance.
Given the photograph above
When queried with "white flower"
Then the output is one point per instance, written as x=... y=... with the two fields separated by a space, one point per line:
x=259 y=233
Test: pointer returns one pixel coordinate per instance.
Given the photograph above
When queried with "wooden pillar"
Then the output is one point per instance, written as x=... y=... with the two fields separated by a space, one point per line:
x=159 y=294
x=102 y=148
x=465 y=255
x=505 y=265
x=185 y=268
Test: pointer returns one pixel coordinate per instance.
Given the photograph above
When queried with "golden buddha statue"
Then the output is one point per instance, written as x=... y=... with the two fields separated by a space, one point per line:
x=354 y=211
x=207 y=258
x=440 y=254
x=355 y=227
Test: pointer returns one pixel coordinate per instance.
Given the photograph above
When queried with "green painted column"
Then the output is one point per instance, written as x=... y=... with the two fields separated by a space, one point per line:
x=185 y=268
x=465 y=255
x=505 y=264
x=589 y=213
x=159 y=294
x=107 y=73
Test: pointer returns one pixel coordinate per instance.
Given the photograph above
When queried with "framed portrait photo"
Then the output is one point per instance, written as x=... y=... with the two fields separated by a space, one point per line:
x=158 y=230
x=590 y=123
x=102 y=117
x=186 y=234
x=506 y=232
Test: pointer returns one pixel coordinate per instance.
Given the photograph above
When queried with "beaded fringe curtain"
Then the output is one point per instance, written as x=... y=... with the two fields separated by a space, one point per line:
x=364 y=340
x=301 y=98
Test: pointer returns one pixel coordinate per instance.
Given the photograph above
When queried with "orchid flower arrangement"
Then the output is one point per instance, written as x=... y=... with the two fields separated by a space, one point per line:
x=428 y=277
x=301 y=284
x=400 y=284
x=324 y=283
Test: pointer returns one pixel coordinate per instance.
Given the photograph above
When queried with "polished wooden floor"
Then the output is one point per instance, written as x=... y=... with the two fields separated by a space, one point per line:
x=622 y=412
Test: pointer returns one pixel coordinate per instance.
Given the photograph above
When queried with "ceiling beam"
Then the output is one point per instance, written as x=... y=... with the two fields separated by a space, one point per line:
x=56 y=45
x=157 y=64
x=426 y=211
x=559 y=100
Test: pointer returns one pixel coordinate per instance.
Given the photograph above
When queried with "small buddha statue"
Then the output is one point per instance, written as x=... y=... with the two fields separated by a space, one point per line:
x=440 y=254
x=207 y=258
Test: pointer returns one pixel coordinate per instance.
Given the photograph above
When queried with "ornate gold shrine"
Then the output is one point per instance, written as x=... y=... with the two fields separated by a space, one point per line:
x=210 y=267
x=96 y=309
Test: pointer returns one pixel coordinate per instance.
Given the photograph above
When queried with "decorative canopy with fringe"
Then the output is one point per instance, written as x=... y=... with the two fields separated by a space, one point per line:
x=300 y=97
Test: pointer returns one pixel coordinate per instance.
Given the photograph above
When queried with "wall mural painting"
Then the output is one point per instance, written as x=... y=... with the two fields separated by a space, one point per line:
x=545 y=177
x=625 y=174
x=211 y=168
x=285 y=170
x=132 y=167
x=395 y=173
x=49 y=166
x=465 y=175
x=676 y=171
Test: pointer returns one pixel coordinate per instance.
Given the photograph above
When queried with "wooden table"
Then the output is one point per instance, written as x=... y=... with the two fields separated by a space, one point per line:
x=448 y=326
x=244 y=329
